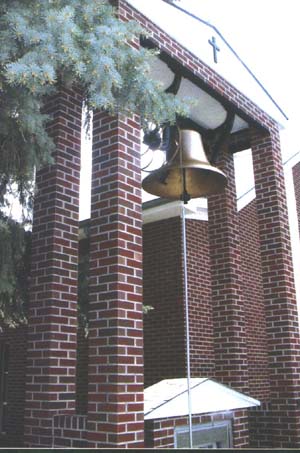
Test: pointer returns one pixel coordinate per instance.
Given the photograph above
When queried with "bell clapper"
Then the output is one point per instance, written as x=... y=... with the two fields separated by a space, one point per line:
x=185 y=197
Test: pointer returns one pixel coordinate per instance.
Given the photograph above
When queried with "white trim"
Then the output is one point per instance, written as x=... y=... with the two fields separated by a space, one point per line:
x=195 y=209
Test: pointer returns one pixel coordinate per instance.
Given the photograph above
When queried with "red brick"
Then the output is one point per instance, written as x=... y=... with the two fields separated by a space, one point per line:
x=108 y=285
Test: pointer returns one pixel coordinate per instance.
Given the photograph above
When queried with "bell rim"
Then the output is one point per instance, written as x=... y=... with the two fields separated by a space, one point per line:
x=147 y=183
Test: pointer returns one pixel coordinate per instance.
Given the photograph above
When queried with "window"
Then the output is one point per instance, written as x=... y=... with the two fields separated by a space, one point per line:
x=210 y=435
x=4 y=350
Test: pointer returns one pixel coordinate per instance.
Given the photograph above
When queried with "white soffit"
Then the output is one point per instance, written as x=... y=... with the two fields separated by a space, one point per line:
x=168 y=398
x=206 y=111
x=160 y=71
x=195 y=36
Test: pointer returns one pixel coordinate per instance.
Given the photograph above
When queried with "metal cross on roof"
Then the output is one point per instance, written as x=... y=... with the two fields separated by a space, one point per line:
x=216 y=49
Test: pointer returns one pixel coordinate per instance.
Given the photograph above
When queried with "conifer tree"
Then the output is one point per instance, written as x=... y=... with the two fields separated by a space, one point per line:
x=46 y=45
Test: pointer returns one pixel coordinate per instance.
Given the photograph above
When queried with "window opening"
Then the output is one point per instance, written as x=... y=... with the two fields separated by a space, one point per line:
x=210 y=435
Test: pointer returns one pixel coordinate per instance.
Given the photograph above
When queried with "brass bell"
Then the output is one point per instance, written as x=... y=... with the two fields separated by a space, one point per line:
x=186 y=173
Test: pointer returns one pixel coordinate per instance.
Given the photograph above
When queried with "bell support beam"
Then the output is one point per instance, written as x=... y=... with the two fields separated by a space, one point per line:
x=220 y=136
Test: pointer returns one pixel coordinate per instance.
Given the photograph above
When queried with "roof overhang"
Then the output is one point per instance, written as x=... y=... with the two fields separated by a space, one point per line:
x=169 y=398
x=207 y=111
x=229 y=66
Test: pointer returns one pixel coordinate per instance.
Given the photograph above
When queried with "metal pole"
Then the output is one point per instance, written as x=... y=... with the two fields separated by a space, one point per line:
x=186 y=300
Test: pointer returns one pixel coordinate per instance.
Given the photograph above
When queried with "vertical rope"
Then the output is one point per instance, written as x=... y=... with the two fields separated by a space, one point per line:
x=185 y=199
x=186 y=302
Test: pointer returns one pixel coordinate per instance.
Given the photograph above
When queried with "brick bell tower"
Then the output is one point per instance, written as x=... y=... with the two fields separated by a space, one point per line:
x=115 y=372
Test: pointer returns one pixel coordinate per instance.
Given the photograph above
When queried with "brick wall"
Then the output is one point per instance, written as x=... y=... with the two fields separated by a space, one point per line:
x=165 y=337
x=199 y=295
x=163 y=290
x=14 y=419
x=160 y=433
x=13 y=424
x=164 y=325
x=260 y=426
x=69 y=431
x=82 y=372
x=82 y=340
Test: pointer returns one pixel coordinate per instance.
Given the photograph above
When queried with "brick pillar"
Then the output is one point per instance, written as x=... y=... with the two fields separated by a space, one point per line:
x=115 y=407
x=227 y=296
x=279 y=290
x=52 y=318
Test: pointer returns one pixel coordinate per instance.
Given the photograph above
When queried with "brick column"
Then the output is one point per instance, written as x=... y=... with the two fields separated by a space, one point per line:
x=115 y=407
x=52 y=318
x=279 y=290
x=227 y=296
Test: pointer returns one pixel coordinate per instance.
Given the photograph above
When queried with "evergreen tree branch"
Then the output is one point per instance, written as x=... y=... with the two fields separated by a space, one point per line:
x=46 y=44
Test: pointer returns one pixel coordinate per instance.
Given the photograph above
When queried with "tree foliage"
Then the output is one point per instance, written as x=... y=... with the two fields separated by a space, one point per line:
x=14 y=271
x=46 y=45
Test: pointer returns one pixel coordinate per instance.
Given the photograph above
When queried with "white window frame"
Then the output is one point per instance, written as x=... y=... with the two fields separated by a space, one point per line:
x=205 y=427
